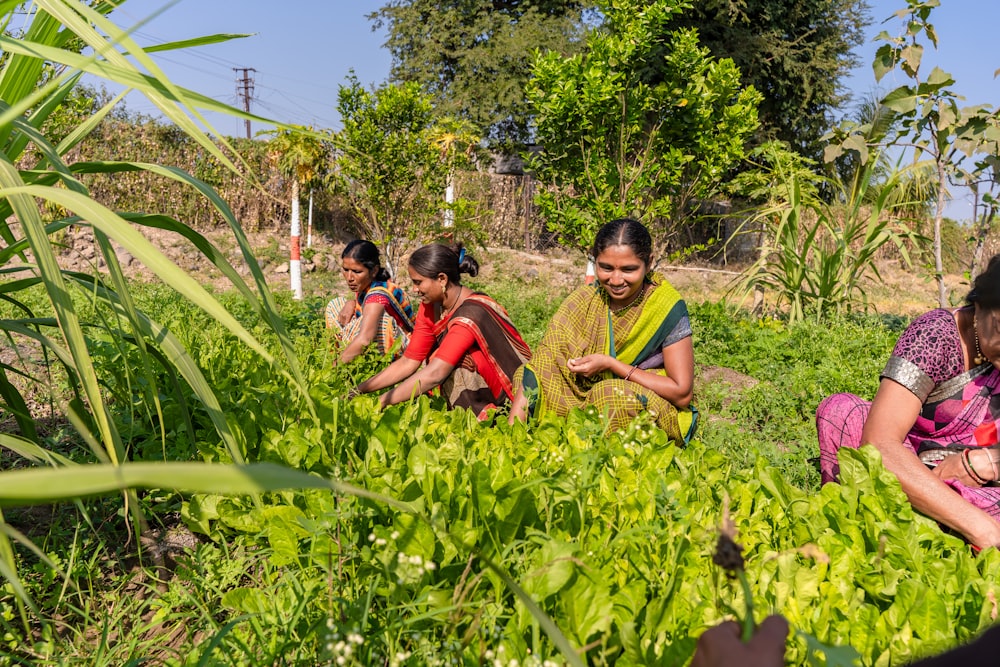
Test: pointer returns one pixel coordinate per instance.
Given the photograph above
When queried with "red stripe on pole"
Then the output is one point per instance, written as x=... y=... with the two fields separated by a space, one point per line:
x=296 y=247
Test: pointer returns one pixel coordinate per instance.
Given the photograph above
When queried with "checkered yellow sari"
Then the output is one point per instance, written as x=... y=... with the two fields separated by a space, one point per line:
x=584 y=325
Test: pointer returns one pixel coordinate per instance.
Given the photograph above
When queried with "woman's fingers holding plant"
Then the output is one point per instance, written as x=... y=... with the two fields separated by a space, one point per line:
x=720 y=646
x=588 y=365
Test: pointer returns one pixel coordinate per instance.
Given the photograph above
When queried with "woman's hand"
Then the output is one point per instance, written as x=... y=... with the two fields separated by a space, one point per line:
x=590 y=365
x=980 y=462
x=518 y=407
x=346 y=313
x=421 y=381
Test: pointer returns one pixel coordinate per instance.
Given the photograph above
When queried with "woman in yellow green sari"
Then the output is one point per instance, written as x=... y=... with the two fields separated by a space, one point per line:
x=622 y=345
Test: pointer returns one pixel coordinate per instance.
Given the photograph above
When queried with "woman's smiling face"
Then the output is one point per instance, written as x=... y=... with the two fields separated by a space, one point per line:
x=620 y=273
x=429 y=290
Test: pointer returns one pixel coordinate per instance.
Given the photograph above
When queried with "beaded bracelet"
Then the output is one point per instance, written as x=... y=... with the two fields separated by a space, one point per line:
x=967 y=464
x=629 y=374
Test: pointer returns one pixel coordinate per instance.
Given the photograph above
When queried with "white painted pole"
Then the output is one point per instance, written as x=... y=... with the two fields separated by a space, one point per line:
x=449 y=199
x=309 y=233
x=295 y=264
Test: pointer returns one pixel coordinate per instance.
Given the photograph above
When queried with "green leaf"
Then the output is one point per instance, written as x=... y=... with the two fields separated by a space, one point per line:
x=832 y=656
x=589 y=604
x=884 y=62
x=247 y=600
x=555 y=564
x=902 y=100
x=910 y=55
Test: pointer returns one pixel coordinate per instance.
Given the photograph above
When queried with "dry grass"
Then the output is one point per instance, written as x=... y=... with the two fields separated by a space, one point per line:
x=900 y=291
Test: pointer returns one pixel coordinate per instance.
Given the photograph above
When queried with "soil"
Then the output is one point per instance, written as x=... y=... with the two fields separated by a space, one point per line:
x=894 y=290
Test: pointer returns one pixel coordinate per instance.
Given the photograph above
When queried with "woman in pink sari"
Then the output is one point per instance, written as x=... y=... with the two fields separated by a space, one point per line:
x=934 y=416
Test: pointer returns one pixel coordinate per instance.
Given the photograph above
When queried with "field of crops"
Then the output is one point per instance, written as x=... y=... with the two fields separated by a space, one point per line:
x=457 y=543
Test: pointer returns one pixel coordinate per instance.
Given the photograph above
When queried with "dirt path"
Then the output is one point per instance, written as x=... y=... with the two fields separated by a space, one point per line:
x=899 y=292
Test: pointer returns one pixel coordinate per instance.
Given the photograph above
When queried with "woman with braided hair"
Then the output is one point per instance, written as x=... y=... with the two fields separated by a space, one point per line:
x=380 y=311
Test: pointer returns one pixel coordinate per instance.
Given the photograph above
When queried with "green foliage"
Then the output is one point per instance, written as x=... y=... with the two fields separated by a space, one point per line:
x=85 y=318
x=474 y=58
x=610 y=533
x=301 y=153
x=396 y=163
x=816 y=255
x=417 y=535
x=933 y=125
x=760 y=380
x=620 y=138
x=795 y=54
x=135 y=139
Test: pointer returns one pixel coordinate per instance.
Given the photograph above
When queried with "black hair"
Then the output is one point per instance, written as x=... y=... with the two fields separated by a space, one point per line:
x=627 y=232
x=986 y=287
x=366 y=254
x=434 y=259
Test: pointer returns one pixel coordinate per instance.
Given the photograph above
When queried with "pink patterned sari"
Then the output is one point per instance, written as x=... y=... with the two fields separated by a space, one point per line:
x=960 y=407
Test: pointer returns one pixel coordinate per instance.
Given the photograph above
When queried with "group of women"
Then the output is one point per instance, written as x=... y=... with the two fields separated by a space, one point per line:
x=622 y=344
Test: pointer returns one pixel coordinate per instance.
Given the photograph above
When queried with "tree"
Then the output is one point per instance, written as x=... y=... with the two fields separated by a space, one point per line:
x=934 y=128
x=620 y=138
x=304 y=155
x=474 y=56
x=794 y=53
x=392 y=167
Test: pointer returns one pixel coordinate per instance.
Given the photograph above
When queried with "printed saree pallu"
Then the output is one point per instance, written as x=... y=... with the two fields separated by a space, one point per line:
x=584 y=324
x=396 y=322
x=498 y=353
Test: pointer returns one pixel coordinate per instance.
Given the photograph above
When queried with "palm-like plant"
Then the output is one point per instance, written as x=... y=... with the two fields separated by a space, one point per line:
x=816 y=254
x=303 y=155
x=38 y=70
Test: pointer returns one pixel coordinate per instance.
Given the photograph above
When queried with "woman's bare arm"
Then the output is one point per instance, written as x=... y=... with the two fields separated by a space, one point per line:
x=371 y=318
x=425 y=379
x=893 y=413
x=395 y=372
x=678 y=361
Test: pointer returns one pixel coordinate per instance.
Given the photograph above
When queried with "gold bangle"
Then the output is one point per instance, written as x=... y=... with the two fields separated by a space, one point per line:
x=629 y=374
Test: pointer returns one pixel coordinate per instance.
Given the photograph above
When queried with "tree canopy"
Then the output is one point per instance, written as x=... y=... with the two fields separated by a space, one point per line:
x=474 y=56
x=621 y=139
x=795 y=53
x=395 y=161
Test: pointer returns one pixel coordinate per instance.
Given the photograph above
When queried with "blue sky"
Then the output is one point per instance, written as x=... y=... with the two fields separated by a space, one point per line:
x=302 y=50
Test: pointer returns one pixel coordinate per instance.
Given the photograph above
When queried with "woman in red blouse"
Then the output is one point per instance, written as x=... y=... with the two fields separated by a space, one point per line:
x=467 y=339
